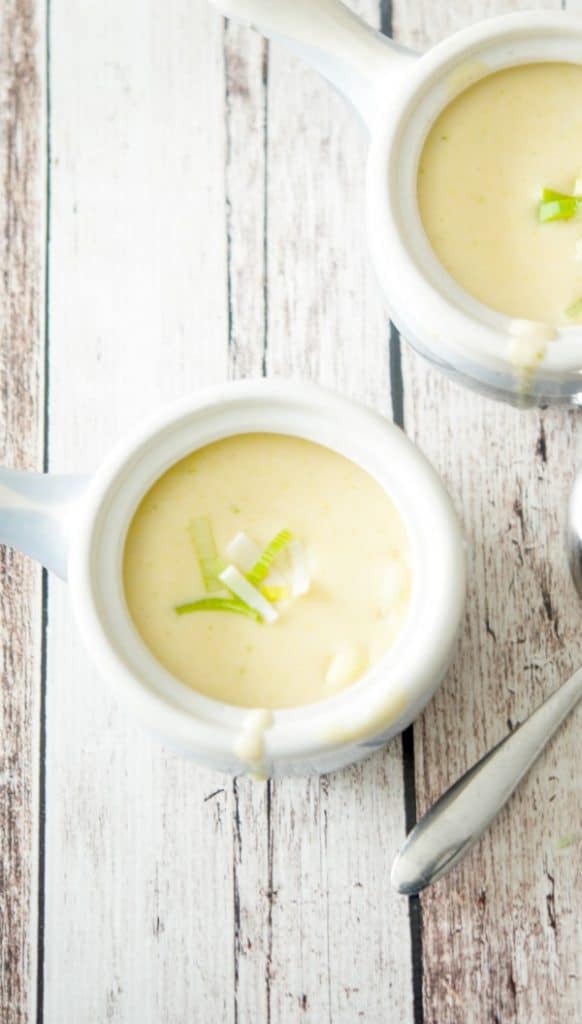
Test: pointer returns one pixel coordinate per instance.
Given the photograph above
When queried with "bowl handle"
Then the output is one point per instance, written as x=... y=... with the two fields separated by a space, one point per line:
x=37 y=511
x=357 y=60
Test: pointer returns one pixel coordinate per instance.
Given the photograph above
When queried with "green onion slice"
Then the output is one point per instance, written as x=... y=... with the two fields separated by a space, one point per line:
x=575 y=310
x=548 y=194
x=242 y=588
x=274 y=593
x=243 y=551
x=218 y=604
x=557 y=209
x=206 y=553
x=260 y=569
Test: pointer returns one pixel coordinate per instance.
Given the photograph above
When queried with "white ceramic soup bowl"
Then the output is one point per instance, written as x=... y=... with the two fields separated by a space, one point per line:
x=399 y=95
x=77 y=526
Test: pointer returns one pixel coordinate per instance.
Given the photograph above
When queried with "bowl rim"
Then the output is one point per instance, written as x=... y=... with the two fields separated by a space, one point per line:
x=297 y=734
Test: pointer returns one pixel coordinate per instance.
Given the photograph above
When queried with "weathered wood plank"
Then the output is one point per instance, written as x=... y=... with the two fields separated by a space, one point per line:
x=22 y=232
x=338 y=941
x=173 y=896
x=246 y=121
x=296 y=895
x=500 y=936
x=326 y=321
x=139 y=915
x=246 y=57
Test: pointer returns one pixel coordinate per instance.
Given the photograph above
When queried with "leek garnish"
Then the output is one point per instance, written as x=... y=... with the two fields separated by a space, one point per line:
x=243 y=551
x=260 y=569
x=246 y=584
x=557 y=206
x=205 y=548
x=242 y=588
x=557 y=209
x=548 y=194
x=274 y=594
x=218 y=604
x=575 y=310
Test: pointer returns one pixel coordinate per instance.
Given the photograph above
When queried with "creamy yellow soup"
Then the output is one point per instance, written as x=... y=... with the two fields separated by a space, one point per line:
x=484 y=164
x=354 y=548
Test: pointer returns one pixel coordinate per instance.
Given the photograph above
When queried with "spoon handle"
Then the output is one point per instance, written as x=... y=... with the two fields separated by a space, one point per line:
x=455 y=822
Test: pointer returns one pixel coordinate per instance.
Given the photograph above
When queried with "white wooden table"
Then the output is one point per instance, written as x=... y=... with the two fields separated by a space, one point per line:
x=179 y=204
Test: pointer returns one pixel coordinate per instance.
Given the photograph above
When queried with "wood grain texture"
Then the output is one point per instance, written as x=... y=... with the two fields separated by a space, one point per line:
x=139 y=879
x=501 y=937
x=22 y=230
x=273 y=900
x=207 y=223
x=246 y=63
x=309 y=904
x=341 y=941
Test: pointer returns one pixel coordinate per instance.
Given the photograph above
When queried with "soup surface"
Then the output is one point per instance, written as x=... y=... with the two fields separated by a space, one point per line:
x=353 y=545
x=484 y=165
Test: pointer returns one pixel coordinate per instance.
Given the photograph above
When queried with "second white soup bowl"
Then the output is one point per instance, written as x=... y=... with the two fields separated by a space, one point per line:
x=399 y=95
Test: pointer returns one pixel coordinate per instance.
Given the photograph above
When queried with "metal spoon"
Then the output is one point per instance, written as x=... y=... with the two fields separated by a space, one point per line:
x=456 y=821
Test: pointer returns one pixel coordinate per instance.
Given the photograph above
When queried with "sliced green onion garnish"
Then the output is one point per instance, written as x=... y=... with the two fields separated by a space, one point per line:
x=260 y=569
x=206 y=553
x=575 y=310
x=250 y=587
x=274 y=593
x=558 y=205
x=242 y=588
x=557 y=209
x=218 y=604
x=243 y=551
x=548 y=194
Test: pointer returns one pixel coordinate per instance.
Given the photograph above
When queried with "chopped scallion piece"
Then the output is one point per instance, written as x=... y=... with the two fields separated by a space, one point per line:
x=557 y=209
x=274 y=594
x=575 y=310
x=206 y=553
x=548 y=194
x=250 y=587
x=218 y=604
x=242 y=588
x=243 y=551
x=260 y=569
